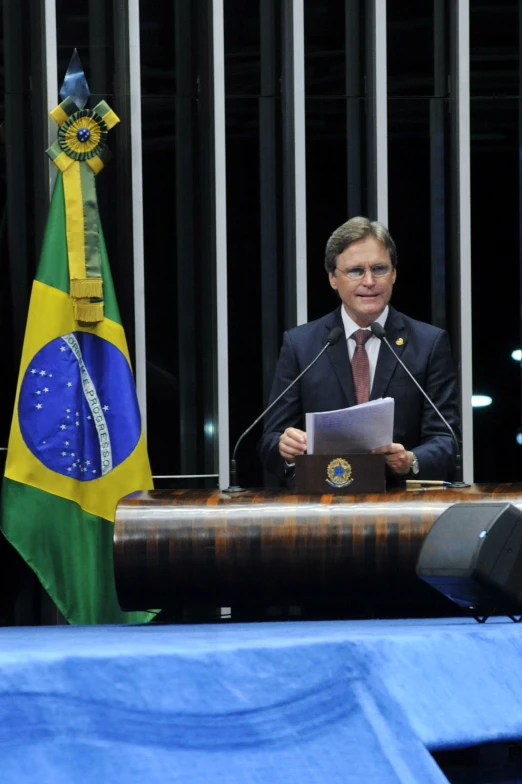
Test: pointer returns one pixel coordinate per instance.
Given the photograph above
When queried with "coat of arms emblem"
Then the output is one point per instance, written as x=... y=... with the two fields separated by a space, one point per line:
x=339 y=473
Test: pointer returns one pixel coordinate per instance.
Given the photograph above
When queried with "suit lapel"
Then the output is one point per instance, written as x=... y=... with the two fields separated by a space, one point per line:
x=386 y=362
x=338 y=356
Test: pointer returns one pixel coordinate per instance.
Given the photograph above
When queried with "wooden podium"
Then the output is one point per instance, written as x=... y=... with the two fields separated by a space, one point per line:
x=340 y=474
x=190 y=547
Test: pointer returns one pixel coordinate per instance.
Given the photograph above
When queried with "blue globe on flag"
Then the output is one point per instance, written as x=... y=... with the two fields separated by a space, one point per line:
x=77 y=410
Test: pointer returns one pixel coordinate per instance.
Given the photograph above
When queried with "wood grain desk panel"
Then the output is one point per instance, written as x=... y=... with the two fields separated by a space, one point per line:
x=199 y=546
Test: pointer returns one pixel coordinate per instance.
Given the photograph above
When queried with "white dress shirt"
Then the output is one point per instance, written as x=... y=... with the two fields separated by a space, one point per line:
x=372 y=345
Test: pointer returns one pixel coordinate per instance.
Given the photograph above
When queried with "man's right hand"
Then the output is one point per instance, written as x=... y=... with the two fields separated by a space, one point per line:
x=291 y=443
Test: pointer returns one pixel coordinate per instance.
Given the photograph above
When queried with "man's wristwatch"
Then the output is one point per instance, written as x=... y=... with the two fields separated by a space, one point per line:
x=414 y=465
x=289 y=469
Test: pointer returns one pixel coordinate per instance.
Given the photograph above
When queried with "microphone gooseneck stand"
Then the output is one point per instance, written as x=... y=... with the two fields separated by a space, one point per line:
x=380 y=333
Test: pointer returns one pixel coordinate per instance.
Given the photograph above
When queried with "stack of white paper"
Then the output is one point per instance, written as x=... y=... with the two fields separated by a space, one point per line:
x=357 y=429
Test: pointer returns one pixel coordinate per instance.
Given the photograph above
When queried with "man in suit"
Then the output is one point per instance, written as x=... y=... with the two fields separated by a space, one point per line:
x=361 y=262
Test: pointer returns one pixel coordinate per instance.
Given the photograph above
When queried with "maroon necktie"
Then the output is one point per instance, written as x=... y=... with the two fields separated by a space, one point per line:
x=361 y=365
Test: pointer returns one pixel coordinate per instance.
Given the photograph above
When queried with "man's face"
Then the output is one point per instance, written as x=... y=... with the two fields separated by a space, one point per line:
x=364 y=299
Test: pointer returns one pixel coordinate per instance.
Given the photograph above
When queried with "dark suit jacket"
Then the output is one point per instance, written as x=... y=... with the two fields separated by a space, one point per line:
x=328 y=385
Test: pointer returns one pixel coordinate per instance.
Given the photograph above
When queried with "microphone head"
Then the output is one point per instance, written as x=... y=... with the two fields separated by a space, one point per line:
x=335 y=335
x=377 y=330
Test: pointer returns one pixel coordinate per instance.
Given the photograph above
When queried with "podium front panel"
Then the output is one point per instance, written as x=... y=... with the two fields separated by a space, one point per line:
x=341 y=474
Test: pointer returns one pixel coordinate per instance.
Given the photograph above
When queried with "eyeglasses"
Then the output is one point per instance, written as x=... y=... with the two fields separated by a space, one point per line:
x=358 y=273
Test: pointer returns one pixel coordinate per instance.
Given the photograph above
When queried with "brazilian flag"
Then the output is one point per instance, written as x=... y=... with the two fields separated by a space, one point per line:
x=76 y=444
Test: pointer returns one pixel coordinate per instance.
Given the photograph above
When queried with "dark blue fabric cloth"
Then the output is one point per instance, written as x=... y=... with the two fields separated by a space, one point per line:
x=275 y=702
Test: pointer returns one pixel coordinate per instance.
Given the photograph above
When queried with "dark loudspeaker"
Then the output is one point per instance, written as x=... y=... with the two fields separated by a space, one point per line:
x=473 y=555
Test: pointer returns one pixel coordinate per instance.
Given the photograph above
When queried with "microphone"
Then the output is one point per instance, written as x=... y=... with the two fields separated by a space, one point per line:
x=333 y=337
x=380 y=333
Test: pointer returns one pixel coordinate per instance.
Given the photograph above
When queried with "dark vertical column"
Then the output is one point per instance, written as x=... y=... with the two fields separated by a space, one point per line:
x=16 y=145
x=185 y=250
x=120 y=169
x=206 y=251
x=520 y=179
x=40 y=125
x=371 y=138
x=377 y=110
x=268 y=193
x=268 y=102
x=437 y=168
x=353 y=108
x=289 y=206
x=454 y=271
x=460 y=283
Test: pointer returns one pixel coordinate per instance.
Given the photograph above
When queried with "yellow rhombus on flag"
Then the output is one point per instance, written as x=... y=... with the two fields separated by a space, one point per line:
x=76 y=444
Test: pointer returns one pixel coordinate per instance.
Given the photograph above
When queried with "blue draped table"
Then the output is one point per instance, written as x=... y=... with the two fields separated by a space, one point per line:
x=347 y=701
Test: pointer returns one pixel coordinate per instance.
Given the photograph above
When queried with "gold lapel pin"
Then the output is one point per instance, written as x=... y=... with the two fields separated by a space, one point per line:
x=399 y=342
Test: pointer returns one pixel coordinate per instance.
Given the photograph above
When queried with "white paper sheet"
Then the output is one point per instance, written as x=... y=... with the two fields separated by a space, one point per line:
x=357 y=429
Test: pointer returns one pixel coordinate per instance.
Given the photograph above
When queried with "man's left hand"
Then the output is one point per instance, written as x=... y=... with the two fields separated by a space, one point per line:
x=397 y=458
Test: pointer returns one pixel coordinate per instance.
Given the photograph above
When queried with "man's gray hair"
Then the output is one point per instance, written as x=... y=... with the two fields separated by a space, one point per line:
x=352 y=231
